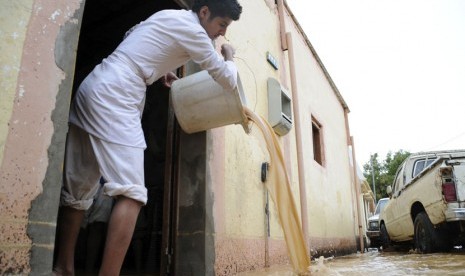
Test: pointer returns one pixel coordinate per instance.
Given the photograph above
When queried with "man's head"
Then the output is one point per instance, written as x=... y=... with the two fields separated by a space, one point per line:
x=220 y=8
x=216 y=15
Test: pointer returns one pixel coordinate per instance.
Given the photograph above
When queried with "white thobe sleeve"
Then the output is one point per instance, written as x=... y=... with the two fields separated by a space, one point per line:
x=200 y=49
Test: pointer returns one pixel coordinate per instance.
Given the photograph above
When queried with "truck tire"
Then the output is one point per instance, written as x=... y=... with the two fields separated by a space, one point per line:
x=424 y=235
x=384 y=236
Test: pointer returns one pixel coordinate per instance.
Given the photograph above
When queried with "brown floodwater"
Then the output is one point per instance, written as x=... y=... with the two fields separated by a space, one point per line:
x=380 y=263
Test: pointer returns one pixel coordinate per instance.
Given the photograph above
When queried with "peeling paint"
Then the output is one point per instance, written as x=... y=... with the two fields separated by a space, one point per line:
x=27 y=43
x=21 y=91
x=54 y=15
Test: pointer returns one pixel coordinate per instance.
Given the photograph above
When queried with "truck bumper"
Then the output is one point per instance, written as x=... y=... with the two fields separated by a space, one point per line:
x=455 y=214
x=373 y=234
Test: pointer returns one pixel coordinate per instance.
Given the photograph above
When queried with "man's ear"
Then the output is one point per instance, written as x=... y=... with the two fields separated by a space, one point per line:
x=204 y=12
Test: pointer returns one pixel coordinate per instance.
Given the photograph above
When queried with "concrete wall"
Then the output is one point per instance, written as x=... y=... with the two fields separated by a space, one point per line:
x=236 y=158
x=240 y=196
x=38 y=42
x=329 y=186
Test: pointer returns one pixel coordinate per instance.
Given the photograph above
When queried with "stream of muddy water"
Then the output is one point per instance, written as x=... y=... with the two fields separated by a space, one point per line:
x=279 y=189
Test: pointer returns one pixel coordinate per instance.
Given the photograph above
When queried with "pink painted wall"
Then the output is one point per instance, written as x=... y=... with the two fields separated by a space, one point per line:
x=34 y=108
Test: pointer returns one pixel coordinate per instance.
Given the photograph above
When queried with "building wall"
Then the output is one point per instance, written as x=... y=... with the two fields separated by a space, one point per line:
x=38 y=42
x=240 y=196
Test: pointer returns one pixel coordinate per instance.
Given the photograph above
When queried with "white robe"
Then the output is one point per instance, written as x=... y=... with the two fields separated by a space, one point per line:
x=110 y=101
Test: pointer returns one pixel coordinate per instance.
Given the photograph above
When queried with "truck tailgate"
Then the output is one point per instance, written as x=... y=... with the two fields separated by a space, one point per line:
x=459 y=172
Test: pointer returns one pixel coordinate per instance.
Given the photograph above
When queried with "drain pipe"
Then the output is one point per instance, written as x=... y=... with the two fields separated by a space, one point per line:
x=357 y=197
x=298 y=137
x=286 y=44
x=282 y=25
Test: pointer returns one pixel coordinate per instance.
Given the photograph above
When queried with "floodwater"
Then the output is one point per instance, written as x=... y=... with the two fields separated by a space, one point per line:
x=382 y=263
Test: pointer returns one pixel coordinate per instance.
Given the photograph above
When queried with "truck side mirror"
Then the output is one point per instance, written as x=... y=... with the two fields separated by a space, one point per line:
x=389 y=190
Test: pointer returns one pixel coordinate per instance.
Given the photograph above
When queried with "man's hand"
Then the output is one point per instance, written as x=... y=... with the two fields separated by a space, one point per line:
x=168 y=79
x=227 y=51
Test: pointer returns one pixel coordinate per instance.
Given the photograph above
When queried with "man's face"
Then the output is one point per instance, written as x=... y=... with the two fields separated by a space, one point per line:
x=215 y=27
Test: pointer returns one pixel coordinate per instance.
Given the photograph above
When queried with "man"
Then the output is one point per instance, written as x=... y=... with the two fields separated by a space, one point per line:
x=105 y=137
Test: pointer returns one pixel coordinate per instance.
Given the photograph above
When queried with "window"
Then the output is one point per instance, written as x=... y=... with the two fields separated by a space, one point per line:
x=399 y=180
x=317 y=137
x=380 y=206
x=422 y=164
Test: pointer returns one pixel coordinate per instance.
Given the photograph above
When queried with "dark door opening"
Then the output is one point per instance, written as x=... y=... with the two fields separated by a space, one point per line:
x=104 y=24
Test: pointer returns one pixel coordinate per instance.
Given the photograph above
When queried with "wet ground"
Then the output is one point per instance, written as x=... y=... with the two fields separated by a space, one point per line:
x=382 y=263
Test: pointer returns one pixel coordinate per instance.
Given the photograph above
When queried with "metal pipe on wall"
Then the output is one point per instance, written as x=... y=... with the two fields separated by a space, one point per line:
x=357 y=197
x=350 y=142
x=282 y=25
x=298 y=136
x=286 y=44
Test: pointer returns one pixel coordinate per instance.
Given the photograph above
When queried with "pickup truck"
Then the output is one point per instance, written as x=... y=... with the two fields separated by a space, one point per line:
x=427 y=202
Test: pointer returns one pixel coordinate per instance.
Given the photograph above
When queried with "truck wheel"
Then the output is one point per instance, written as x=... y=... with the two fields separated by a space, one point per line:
x=424 y=233
x=385 y=240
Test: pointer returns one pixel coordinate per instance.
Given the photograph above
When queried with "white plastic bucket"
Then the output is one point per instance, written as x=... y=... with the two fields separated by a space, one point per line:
x=200 y=103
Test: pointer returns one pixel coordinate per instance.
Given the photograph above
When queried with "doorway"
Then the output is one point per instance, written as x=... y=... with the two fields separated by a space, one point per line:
x=104 y=24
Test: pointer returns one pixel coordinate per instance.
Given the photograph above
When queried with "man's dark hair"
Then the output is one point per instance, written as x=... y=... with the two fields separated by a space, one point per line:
x=221 y=8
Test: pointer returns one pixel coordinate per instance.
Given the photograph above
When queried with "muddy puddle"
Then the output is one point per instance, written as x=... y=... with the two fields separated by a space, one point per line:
x=381 y=263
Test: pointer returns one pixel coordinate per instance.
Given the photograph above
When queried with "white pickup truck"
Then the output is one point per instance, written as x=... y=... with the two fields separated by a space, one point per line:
x=427 y=204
